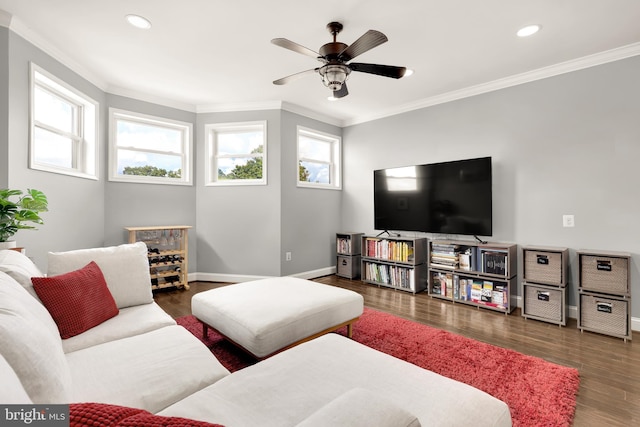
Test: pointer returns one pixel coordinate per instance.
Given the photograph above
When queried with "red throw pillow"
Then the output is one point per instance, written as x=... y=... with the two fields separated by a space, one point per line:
x=78 y=300
x=105 y=415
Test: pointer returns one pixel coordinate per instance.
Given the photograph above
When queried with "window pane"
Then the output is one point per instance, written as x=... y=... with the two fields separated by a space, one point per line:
x=54 y=111
x=315 y=172
x=240 y=168
x=310 y=148
x=53 y=149
x=148 y=137
x=148 y=164
x=240 y=142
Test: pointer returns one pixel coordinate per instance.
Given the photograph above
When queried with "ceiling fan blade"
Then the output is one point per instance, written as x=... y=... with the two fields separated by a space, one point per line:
x=380 y=70
x=293 y=77
x=367 y=41
x=288 y=44
x=342 y=92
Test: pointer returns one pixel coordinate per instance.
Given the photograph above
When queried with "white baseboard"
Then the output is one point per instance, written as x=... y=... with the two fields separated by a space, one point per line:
x=236 y=278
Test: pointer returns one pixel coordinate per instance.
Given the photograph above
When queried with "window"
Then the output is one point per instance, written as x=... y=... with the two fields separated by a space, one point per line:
x=236 y=153
x=149 y=149
x=318 y=159
x=63 y=126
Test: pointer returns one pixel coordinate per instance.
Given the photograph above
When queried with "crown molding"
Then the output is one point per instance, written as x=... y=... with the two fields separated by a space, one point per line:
x=14 y=24
x=146 y=97
x=518 y=79
x=297 y=109
x=240 y=106
x=41 y=43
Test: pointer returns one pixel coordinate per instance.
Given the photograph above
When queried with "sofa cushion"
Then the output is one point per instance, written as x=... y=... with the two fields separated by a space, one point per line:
x=35 y=350
x=78 y=300
x=125 y=269
x=148 y=371
x=129 y=322
x=360 y=408
x=20 y=267
x=11 y=391
x=104 y=415
x=334 y=365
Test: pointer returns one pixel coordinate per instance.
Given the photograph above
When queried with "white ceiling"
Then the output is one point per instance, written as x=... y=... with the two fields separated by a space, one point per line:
x=212 y=55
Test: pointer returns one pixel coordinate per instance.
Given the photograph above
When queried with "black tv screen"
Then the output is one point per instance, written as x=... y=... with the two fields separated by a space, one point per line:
x=449 y=198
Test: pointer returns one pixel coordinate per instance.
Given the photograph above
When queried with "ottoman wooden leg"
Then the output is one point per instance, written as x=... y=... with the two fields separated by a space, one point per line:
x=205 y=331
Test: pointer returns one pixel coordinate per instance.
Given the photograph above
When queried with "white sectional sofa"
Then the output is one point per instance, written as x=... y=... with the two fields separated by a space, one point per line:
x=140 y=358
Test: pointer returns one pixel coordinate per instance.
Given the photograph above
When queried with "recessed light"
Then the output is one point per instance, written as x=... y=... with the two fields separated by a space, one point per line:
x=138 y=21
x=332 y=98
x=529 y=30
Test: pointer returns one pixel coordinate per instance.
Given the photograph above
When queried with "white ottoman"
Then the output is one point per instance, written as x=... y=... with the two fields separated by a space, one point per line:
x=268 y=315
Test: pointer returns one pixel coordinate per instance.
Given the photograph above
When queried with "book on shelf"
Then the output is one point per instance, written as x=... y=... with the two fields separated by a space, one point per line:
x=476 y=290
x=487 y=291
x=343 y=245
x=464 y=261
x=391 y=250
x=500 y=296
x=399 y=277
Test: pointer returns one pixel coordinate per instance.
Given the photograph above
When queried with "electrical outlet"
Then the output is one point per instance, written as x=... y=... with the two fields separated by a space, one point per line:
x=287 y=256
x=568 y=221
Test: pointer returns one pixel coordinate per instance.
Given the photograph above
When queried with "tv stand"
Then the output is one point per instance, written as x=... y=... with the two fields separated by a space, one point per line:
x=395 y=262
x=381 y=233
x=478 y=274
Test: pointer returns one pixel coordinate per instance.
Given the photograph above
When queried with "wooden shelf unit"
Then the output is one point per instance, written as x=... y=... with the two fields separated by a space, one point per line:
x=348 y=251
x=478 y=274
x=544 y=284
x=168 y=250
x=395 y=262
x=604 y=293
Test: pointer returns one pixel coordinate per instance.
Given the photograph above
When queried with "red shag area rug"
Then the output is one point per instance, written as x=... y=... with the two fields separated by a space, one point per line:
x=538 y=392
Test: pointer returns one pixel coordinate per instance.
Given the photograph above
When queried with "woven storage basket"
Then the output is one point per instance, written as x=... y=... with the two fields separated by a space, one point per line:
x=544 y=303
x=543 y=267
x=606 y=315
x=604 y=274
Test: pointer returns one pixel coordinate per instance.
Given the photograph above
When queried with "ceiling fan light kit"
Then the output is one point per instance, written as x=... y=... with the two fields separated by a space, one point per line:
x=334 y=76
x=336 y=56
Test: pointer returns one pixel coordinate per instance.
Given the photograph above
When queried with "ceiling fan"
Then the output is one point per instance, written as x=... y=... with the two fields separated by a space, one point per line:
x=336 y=56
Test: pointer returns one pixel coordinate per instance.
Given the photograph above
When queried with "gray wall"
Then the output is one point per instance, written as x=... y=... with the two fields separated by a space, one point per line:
x=237 y=231
x=238 y=227
x=76 y=206
x=310 y=217
x=563 y=145
x=133 y=205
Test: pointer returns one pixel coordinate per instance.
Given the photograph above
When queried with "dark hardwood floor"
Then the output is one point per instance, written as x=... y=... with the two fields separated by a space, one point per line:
x=609 y=368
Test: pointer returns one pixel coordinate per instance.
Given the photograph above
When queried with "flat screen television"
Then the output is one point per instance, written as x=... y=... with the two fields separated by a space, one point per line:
x=449 y=198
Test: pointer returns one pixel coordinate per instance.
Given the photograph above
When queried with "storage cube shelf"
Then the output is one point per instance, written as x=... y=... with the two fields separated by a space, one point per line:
x=544 y=284
x=478 y=274
x=168 y=254
x=604 y=294
x=398 y=263
x=348 y=254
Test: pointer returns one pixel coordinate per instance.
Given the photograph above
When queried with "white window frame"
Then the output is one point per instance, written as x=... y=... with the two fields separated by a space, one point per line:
x=211 y=152
x=186 y=130
x=335 y=162
x=85 y=150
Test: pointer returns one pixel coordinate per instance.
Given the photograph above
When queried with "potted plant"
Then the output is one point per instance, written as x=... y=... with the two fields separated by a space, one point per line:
x=17 y=211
